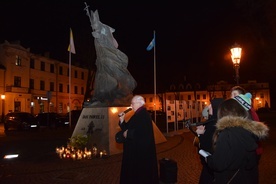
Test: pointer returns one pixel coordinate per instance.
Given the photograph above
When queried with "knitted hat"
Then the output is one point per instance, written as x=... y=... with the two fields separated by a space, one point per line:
x=244 y=100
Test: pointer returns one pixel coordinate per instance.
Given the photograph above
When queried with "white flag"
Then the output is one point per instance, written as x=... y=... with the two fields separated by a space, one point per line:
x=71 y=47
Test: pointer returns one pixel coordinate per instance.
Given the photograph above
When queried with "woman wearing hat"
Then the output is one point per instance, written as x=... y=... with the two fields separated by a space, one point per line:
x=234 y=159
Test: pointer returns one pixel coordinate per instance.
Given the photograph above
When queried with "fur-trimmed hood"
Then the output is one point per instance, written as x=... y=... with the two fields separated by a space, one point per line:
x=257 y=128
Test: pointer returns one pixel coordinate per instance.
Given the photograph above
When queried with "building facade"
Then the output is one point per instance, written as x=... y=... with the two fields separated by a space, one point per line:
x=35 y=83
x=196 y=98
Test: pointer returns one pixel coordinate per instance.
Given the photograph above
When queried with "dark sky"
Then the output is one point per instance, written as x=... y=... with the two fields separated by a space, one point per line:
x=193 y=38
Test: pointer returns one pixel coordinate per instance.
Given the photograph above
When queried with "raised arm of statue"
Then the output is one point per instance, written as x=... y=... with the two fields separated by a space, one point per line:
x=100 y=30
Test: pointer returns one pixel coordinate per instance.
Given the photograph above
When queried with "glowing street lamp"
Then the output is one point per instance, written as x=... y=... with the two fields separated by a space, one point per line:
x=236 y=59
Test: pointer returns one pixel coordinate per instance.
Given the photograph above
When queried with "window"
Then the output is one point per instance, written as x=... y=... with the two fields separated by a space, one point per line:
x=76 y=74
x=52 y=86
x=151 y=99
x=31 y=84
x=82 y=75
x=52 y=68
x=60 y=70
x=42 y=66
x=32 y=63
x=204 y=96
x=42 y=85
x=189 y=97
x=76 y=89
x=82 y=90
x=60 y=87
x=198 y=97
x=17 y=81
x=17 y=60
x=68 y=89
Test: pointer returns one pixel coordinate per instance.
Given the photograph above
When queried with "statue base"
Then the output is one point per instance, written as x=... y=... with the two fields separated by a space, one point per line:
x=100 y=124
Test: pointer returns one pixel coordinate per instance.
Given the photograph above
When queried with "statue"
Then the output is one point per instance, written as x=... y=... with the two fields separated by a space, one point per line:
x=113 y=82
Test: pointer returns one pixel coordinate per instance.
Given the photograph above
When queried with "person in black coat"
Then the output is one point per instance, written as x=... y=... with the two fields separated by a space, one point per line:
x=234 y=159
x=139 y=161
x=205 y=134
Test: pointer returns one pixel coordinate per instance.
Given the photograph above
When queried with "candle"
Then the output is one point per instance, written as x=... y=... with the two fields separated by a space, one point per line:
x=73 y=156
x=101 y=154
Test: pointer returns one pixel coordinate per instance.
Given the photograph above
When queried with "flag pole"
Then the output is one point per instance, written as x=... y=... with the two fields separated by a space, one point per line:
x=150 y=46
x=154 y=68
x=69 y=88
x=71 y=49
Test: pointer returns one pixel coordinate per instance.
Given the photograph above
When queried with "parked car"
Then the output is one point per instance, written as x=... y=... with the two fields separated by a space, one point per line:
x=51 y=119
x=20 y=121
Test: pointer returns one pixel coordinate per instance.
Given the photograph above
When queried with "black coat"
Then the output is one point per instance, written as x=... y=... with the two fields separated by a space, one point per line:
x=139 y=162
x=235 y=155
x=206 y=142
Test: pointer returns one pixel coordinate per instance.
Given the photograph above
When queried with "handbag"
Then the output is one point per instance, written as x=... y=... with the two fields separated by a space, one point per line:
x=119 y=137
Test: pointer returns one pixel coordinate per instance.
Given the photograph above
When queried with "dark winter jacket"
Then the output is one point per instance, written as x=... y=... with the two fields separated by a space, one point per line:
x=210 y=127
x=139 y=162
x=234 y=157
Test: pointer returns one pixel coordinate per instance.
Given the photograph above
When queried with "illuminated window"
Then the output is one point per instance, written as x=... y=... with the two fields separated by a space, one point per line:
x=17 y=60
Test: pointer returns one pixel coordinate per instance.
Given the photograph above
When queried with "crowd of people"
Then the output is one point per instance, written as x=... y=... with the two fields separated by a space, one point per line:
x=230 y=141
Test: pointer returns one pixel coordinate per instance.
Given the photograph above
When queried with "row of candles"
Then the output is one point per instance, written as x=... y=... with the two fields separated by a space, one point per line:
x=78 y=154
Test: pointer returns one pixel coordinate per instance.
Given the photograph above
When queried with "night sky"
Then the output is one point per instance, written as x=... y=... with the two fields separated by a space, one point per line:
x=192 y=38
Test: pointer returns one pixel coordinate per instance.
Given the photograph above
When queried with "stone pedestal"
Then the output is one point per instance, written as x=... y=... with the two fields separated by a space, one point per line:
x=101 y=125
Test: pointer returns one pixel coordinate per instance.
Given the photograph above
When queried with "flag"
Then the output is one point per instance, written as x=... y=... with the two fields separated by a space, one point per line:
x=152 y=44
x=71 y=47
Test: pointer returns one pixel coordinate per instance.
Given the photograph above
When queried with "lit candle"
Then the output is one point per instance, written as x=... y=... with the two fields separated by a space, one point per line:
x=89 y=154
x=101 y=154
x=73 y=156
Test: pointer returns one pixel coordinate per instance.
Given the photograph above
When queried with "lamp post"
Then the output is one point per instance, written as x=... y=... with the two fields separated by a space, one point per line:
x=236 y=58
x=3 y=107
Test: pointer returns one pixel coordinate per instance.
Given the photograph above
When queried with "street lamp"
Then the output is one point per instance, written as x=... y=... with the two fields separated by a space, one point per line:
x=236 y=58
x=3 y=106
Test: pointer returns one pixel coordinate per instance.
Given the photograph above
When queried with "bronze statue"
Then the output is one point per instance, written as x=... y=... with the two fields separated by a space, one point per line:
x=113 y=82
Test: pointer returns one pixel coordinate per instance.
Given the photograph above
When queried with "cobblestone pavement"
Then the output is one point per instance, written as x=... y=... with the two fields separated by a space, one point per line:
x=50 y=169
